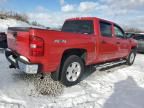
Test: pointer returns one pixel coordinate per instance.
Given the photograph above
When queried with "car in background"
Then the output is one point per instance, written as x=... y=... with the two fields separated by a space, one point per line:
x=3 y=40
x=129 y=34
x=140 y=41
x=139 y=37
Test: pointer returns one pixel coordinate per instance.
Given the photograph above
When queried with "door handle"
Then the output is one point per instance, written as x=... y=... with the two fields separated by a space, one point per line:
x=117 y=42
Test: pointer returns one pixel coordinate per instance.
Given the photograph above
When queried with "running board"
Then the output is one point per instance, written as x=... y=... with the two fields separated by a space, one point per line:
x=110 y=64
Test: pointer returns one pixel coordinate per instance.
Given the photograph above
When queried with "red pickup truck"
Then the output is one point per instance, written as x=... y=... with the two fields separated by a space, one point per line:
x=81 y=42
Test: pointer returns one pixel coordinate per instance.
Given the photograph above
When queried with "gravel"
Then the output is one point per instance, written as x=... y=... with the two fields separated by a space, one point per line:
x=45 y=86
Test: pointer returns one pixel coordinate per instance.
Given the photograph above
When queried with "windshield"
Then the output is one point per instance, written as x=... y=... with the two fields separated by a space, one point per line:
x=79 y=26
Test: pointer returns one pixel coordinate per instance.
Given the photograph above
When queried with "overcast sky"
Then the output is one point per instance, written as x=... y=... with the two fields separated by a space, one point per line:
x=54 y=12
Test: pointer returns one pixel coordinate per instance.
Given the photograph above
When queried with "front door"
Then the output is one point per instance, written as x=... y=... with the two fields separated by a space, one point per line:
x=121 y=41
x=107 y=46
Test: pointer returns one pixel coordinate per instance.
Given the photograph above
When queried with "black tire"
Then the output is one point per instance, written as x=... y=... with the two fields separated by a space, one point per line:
x=68 y=63
x=130 y=61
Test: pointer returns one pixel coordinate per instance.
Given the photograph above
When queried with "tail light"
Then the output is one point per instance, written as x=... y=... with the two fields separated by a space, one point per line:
x=36 y=46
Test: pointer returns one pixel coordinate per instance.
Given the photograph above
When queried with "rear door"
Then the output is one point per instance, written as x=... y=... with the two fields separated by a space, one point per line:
x=122 y=42
x=107 y=46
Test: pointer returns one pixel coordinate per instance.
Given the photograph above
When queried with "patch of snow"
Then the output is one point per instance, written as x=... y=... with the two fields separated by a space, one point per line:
x=5 y=23
x=119 y=87
x=5 y=99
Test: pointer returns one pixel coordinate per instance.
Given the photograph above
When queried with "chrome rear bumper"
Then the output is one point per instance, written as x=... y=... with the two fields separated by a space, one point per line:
x=21 y=63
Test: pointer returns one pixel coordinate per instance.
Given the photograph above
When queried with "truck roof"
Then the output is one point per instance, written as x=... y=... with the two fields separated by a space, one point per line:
x=88 y=18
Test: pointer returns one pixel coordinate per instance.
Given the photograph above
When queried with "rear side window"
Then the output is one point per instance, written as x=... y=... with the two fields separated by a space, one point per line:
x=139 y=37
x=106 y=29
x=79 y=26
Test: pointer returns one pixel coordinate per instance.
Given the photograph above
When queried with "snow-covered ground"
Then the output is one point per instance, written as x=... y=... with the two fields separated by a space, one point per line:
x=9 y=22
x=118 y=86
x=5 y=23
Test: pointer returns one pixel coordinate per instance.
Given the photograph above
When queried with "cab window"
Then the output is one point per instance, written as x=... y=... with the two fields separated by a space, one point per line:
x=105 y=29
x=79 y=26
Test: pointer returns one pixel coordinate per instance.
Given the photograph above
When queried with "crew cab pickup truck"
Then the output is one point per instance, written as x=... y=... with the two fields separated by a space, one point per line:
x=81 y=42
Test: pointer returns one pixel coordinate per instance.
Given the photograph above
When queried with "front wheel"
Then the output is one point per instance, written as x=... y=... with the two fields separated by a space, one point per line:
x=131 y=57
x=72 y=70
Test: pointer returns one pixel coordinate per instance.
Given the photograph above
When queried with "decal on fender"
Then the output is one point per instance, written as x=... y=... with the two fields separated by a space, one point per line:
x=60 y=41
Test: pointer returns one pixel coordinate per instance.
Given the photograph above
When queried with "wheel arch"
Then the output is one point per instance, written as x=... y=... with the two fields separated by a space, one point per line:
x=134 y=48
x=82 y=53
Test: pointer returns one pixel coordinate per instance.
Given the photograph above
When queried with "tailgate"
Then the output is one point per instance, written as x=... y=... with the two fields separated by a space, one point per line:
x=18 y=40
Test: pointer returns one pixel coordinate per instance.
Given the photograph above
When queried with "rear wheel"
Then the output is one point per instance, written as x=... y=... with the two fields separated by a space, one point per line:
x=131 y=57
x=72 y=70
